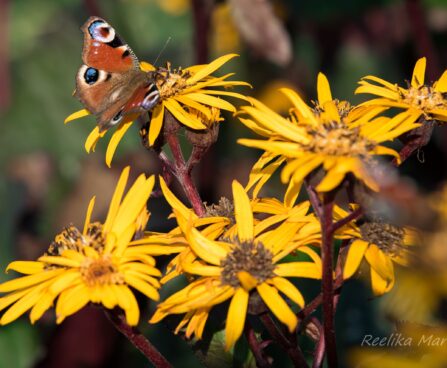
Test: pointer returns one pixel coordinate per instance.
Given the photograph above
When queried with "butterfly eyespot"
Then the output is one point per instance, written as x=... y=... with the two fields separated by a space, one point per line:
x=117 y=118
x=101 y=31
x=91 y=75
x=151 y=98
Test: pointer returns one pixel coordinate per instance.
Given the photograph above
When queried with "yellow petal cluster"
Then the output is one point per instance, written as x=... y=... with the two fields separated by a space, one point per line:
x=101 y=264
x=181 y=90
x=418 y=99
x=332 y=135
x=249 y=263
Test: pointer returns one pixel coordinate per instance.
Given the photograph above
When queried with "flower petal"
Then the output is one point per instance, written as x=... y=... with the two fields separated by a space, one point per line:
x=355 y=255
x=26 y=267
x=419 y=72
x=182 y=116
x=156 y=123
x=277 y=305
x=175 y=203
x=289 y=290
x=236 y=317
x=89 y=214
x=93 y=138
x=116 y=138
x=209 y=68
x=299 y=269
x=116 y=199
x=323 y=88
x=243 y=213
x=76 y=115
x=380 y=262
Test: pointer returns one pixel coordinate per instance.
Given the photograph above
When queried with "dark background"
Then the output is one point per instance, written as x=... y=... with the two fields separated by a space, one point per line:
x=47 y=177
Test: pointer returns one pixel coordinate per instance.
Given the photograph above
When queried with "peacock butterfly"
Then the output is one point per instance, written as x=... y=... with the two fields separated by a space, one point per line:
x=110 y=83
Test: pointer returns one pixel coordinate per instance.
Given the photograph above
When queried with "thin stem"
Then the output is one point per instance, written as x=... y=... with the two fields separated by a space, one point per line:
x=180 y=171
x=327 y=279
x=320 y=346
x=202 y=10
x=291 y=347
x=196 y=156
x=256 y=347
x=310 y=307
x=422 y=38
x=354 y=215
x=116 y=316
x=313 y=198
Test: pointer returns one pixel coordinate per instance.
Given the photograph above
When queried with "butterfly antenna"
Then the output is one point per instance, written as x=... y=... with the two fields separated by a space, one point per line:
x=161 y=51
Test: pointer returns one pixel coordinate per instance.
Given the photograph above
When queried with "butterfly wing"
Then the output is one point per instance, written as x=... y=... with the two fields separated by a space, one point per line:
x=111 y=84
x=105 y=50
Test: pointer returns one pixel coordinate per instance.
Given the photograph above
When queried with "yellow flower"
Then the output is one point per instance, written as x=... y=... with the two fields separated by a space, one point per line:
x=418 y=99
x=234 y=268
x=174 y=7
x=180 y=90
x=100 y=264
x=379 y=244
x=332 y=135
x=219 y=223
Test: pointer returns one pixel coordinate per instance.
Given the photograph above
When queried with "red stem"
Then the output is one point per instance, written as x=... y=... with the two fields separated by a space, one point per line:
x=354 y=215
x=320 y=347
x=180 y=171
x=256 y=347
x=291 y=347
x=327 y=279
x=313 y=198
x=202 y=16
x=422 y=38
x=116 y=316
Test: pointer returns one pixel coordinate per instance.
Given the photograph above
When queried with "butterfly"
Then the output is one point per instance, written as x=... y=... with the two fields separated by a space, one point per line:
x=110 y=83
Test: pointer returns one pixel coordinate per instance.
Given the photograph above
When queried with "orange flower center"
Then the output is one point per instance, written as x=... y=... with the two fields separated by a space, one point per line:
x=170 y=82
x=101 y=271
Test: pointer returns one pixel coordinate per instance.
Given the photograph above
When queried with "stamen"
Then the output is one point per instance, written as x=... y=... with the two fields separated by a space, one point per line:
x=337 y=139
x=424 y=98
x=100 y=271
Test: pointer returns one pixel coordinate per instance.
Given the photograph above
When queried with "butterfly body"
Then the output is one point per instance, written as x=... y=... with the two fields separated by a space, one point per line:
x=110 y=83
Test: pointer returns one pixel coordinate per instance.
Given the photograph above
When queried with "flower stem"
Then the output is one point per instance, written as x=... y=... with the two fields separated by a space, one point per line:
x=354 y=215
x=256 y=347
x=181 y=172
x=116 y=316
x=291 y=347
x=320 y=346
x=327 y=279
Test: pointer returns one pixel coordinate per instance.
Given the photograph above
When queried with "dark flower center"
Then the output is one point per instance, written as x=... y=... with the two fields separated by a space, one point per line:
x=250 y=257
x=387 y=237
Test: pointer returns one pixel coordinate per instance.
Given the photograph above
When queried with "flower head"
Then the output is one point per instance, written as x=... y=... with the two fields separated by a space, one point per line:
x=332 y=135
x=183 y=93
x=100 y=264
x=380 y=244
x=242 y=267
x=419 y=99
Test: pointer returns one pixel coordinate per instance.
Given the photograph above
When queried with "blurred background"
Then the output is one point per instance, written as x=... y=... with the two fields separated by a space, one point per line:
x=47 y=177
